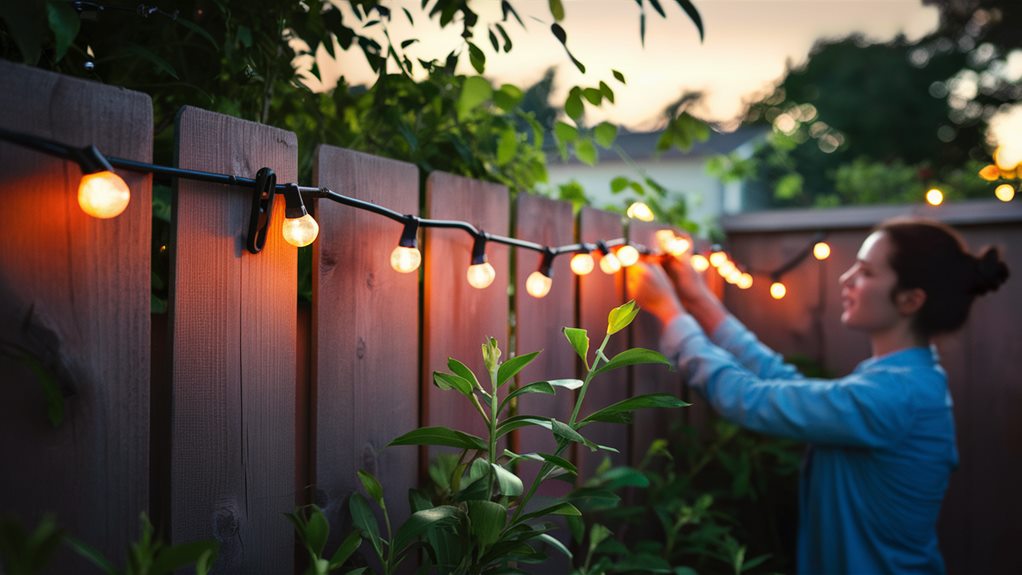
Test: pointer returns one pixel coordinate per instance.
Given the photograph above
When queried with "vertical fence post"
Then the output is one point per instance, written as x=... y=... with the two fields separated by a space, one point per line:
x=74 y=316
x=233 y=322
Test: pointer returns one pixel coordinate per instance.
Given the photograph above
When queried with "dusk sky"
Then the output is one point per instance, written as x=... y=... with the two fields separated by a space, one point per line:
x=748 y=45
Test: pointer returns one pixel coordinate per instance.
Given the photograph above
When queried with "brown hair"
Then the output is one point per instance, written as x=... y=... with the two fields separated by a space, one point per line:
x=931 y=256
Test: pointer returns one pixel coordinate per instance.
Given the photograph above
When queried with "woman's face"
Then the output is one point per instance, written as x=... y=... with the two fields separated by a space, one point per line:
x=867 y=286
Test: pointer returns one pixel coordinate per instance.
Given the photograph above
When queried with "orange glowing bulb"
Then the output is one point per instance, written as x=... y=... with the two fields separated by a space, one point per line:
x=405 y=260
x=679 y=246
x=538 y=285
x=627 y=255
x=1005 y=192
x=103 y=194
x=777 y=290
x=734 y=277
x=821 y=250
x=480 y=276
x=934 y=197
x=300 y=232
x=725 y=269
x=664 y=239
x=610 y=264
x=582 y=264
x=717 y=259
x=640 y=211
x=745 y=282
x=700 y=263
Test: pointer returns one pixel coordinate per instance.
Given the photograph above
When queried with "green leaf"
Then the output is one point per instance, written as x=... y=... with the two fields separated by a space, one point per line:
x=618 y=184
x=619 y=477
x=476 y=58
x=571 y=384
x=462 y=370
x=597 y=534
x=420 y=521
x=440 y=436
x=175 y=558
x=579 y=340
x=348 y=547
x=507 y=145
x=64 y=22
x=557 y=10
x=474 y=92
x=565 y=133
x=534 y=387
x=519 y=421
x=593 y=96
x=606 y=91
x=634 y=356
x=605 y=133
x=693 y=15
x=564 y=431
x=511 y=367
x=613 y=413
x=621 y=316
x=507 y=97
x=372 y=487
x=508 y=483
x=553 y=542
x=619 y=76
x=92 y=554
x=362 y=517
x=487 y=521
x=573 y=105
x=585 y=151
x=448 y=381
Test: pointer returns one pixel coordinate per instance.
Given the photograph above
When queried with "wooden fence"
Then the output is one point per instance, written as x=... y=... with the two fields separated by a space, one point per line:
x=235 y=407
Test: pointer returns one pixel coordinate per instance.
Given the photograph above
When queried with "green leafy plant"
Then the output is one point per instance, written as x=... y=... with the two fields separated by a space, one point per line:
x=481 y=517
x=151 y=556
x=312 y=530
x=26 y=553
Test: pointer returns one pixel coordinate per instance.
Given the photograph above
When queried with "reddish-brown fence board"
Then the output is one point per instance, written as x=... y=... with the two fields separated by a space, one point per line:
x=598 y=293
x=538 y=321
x=365 y=334
x=74 y=298
x=458 y=317
x=977 y=521
x=233 y=321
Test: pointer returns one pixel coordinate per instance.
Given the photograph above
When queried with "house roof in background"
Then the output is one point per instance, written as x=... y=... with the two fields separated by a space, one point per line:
x=642 y=146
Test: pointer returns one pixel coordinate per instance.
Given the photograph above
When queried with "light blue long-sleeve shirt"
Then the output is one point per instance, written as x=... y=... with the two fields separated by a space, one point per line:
x=882 y=443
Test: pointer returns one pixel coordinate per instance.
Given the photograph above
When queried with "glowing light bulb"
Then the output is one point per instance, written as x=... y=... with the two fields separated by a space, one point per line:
x=734 y=277
x=679 y=246
x=582 y=264
x=821 y=250
x=640 y=211
x=725 y=269
x=480 y=276
x=717 y=259
x=538 y=285
x=990 y=173
x=777 y=290
x=745 y=282
x=300 y=232
x=934 y=197
x=627 y=255
x=1005 y=192
x=664 y=239
x=610 y=264
x=700 y=263
x=1008 y=156
x=405 y=260
x=103 y=194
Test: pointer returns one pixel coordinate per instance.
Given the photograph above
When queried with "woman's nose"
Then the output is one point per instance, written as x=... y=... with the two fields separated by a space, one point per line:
x=845 y=277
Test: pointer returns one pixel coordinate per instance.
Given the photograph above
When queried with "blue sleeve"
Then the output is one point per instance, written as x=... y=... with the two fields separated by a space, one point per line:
x=759 y=359
x=866 y=410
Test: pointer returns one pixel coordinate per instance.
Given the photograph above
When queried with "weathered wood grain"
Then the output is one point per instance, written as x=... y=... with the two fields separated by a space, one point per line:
x=365 y=335
x=233 y=328
x=74 y=298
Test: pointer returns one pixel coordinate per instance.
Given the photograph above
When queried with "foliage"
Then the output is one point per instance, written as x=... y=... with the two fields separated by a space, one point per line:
x=312 y=530
x=28 y=553
x=480 y=516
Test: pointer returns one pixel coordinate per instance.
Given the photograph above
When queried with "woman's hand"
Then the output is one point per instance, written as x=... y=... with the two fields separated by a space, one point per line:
x=653 y=291
x=695 y=296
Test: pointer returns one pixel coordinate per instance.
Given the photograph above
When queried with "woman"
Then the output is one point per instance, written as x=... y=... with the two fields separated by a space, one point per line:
x=882 y=439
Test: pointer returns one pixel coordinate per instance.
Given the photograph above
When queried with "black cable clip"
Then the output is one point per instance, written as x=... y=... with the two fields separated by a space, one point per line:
x=262 y=208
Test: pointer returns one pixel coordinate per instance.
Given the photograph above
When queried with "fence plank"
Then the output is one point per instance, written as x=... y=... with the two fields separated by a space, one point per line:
x=365 y=335
x=598 y=293
x=457 y=317
x=74 y=296
x=645 y=332
x=233 y=321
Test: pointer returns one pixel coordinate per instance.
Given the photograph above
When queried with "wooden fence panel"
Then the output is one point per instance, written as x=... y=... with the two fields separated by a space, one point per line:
x=365 y=335
x=645 y=332
x=233 y=322
x=456 y=316
x=74 y=300
x=598 y=293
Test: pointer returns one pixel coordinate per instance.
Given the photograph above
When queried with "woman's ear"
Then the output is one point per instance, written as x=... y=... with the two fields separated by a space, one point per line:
x=909 y=301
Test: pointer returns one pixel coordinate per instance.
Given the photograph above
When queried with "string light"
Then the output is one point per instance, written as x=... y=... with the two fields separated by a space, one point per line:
x=610 y=264
x=726 y=268
x=679 y=246
x=821 y=250
x=640 y=211
x=539 y=282
x=700 y=263
x=480 y=274
x=582 y=264
x=406 y=257
x=103 y=194
x=1005 y=192
x=777 y=290
x=745 y=282
x=300 y=229
x=664 y=239
x=934 y=197
x=627 y=255
x=717 y=257
x=733 y=277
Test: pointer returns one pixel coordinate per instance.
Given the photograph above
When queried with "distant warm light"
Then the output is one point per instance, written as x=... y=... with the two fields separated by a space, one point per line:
x=405 y=260
x=480 y=276
x=679 y=246
x=300 y=232
x=700 y=263
x=718 y=258
x=103 y=194
x=777 y=290
x=821 y=250
x=990 y=173
x=627 y=255
x=934 y=197
x=538 y=285
x=734 y=277
x=725 y=269
x=1008 y=156
x=582 y=264
x=640 y=211
x=1005 y=192
x=610 y=264
x=664 y=239
x=745 y=282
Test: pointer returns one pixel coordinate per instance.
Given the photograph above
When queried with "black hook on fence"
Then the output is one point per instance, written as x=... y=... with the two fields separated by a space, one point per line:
x=262 y=208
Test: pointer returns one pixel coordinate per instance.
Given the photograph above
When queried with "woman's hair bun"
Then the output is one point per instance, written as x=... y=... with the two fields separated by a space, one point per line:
x=991 y=272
